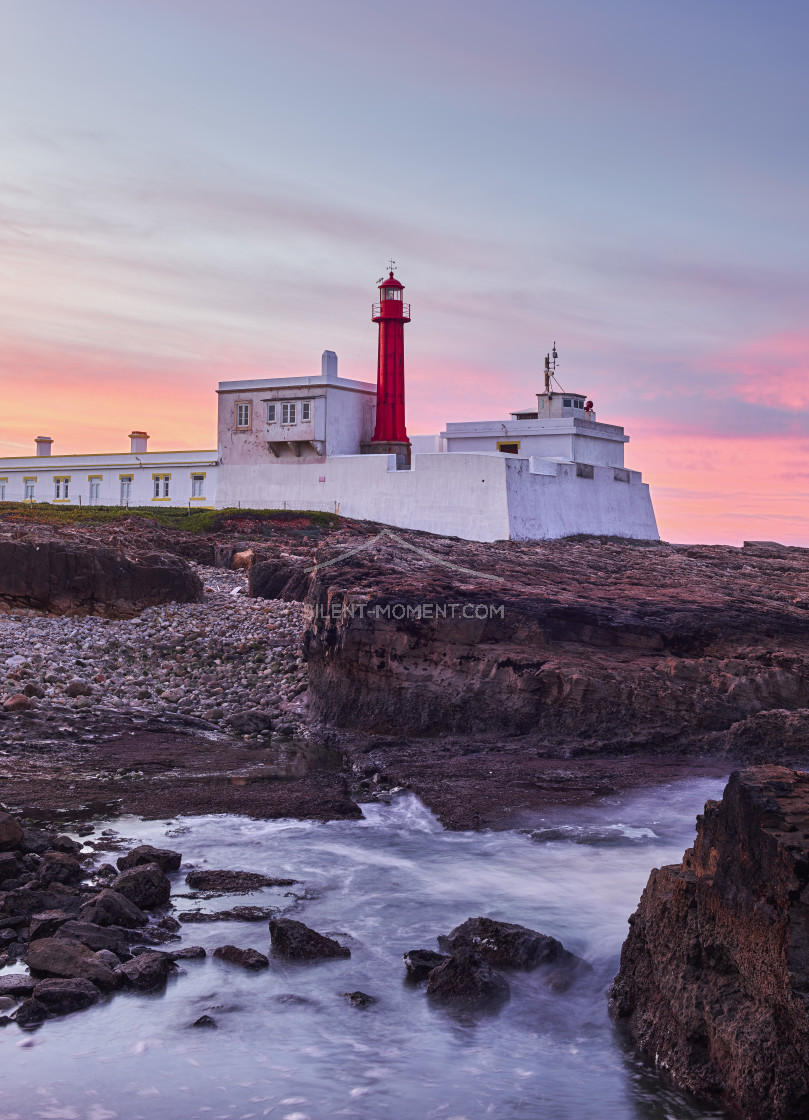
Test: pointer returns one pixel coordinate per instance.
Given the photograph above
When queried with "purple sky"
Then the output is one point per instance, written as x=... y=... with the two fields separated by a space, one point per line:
x=199 y=189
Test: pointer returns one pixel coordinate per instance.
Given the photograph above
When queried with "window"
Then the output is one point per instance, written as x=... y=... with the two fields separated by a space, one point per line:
x=3 y=482
x=197 y=483
x=61 y=489
x=566 y=403
x=30 y=488
x=95 y=489
x=161 y=486
x=509 y=447
x=243 y=415
x=578 y=404
x=288 y=413
x=393 y=293
x=126 y=489
x=270 y=413
x=306 y=411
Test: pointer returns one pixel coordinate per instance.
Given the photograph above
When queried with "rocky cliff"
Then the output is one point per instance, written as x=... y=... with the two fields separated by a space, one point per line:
x=589 y=644
x=63 y=578
x=714 y=978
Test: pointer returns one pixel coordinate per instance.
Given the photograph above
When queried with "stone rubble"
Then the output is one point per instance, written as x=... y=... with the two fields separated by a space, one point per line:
x=231 y=661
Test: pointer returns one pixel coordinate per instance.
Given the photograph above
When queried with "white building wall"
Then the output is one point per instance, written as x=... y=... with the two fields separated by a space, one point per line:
x=343 y=414
x=564 y=438
x=108 y=471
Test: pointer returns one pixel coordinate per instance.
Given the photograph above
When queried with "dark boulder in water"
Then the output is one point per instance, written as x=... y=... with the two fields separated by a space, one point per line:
x=145 y=885
x=61 y=997
x=297 y=942
x=421 y=962
x=503 y=943
x=359 y=999
x=146 y=972
x=165 y=858
x=465 y=978
x=110 y=908
x=61 y=958
x=233 y=882
x=245 y=958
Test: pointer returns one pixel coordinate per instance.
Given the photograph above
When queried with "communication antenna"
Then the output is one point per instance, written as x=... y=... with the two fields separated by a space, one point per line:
x=551 y=362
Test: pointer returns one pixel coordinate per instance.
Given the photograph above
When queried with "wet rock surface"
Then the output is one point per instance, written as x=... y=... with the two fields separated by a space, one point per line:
x=506 y=945
x=245 y=958
x=233 y=882
x=465 y=978
x=295 y=941
x=715 y=969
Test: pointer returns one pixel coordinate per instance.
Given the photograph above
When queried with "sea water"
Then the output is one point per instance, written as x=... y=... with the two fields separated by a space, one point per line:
x=289 y=1045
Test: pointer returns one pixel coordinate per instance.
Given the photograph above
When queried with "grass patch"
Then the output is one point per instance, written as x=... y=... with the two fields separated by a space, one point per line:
x=188 y=520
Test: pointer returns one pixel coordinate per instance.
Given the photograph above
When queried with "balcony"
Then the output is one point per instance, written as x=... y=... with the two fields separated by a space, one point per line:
x=376 y=310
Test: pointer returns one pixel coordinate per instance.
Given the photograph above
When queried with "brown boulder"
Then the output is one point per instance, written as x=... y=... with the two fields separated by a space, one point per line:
x=98 y=937
x=146 y=972
x=296 y=942
x=11 y=832
x=34 y=899
x=19 y=702
x=715 y=969
x=165 y=858
x=466 y=978
x=109 y=908
x=146 y=886
x=46 y=923
x=58 y=867
x=246 y=958
x=60 y=957
x=233 y=882
x=61 y=997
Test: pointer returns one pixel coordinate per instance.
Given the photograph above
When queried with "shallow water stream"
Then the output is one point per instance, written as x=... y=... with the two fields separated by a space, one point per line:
x=288 y=1045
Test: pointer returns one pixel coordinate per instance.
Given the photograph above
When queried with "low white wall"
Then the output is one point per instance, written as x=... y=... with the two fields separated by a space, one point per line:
x=473 y=496
x=455 y=495
x=562 y=504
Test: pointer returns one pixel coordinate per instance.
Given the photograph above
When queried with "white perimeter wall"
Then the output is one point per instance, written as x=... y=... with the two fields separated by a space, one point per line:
x=473 y=496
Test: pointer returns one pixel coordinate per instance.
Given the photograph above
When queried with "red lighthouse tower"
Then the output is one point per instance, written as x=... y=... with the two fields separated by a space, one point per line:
x=390 y=434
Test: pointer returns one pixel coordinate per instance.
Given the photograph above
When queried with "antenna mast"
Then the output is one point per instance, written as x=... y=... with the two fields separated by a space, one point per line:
x=550 y=368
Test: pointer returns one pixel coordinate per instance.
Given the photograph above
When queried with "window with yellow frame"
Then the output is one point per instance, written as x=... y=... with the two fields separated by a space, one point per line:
x=61 y=487
x=161 y=487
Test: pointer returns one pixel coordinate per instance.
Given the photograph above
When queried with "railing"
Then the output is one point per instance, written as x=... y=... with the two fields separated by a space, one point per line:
x=376 y=310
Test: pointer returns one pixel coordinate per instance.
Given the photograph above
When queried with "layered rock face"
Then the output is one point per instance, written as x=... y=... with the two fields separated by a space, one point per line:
x=588 y=644
x=64 y=578
x=714 y=978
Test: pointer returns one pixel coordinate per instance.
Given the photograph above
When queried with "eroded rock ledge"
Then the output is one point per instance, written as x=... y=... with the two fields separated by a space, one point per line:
x=589 y=644
x=714 y=978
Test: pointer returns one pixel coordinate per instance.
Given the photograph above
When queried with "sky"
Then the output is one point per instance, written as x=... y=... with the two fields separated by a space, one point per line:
x=203 y=190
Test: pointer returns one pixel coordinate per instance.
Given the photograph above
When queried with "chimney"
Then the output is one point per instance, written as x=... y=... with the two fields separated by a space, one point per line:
x=138 y=442
x=43 y=445
x=328 y=365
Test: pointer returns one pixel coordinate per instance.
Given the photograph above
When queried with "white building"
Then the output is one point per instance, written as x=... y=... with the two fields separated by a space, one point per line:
x=298 y=443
